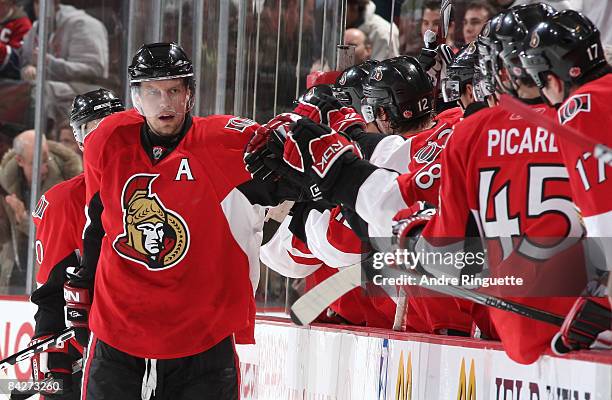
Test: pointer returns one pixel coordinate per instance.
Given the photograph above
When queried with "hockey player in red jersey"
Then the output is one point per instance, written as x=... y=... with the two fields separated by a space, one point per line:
x=564 y=56
x=396 y=89
x=59 y=218
x=172 y=240
x=14 y=24
x=492 y=189
x=503 y=166
x=348 y=88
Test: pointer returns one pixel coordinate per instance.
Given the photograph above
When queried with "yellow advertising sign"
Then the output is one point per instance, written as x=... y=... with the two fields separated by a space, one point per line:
x=467 y=390
x=403 y=387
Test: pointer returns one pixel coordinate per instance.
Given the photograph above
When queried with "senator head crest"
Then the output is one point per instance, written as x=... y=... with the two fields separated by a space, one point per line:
x=153 y=235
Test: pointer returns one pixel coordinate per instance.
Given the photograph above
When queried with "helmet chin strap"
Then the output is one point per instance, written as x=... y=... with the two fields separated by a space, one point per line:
x=548 y=102
x=463 y=107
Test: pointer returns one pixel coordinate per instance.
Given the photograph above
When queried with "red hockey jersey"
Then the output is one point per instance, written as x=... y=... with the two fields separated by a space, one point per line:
x=332 y=242
x=508 y=182
x=179 y=259
x=589 y=110
x=12 y=32
x=59 y=218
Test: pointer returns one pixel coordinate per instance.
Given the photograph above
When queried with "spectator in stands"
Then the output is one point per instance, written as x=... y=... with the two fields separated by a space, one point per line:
x=14 y=24
x=57 y=164
x=431 y=21
x=410 y=31
x=608 y=53
x=477 y=13
x=66 y=137
x=77 y=56
x=363 y=47
x=361 y=14
x=600 y=12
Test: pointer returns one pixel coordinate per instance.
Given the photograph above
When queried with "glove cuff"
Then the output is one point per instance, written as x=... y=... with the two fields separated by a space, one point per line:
x=345 y=179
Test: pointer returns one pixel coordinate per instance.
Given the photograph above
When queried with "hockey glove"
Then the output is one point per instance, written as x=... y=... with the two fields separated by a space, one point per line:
x=53 y=368
x=258 y=148
x=318 y=152
x=78 y=304
x=587 y=325
x=264 y=160
x=409 y=224
x=324 y=108
x=434 y=58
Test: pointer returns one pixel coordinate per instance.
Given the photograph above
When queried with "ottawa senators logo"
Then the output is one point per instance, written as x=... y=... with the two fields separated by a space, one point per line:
x=41 y=207
x=428 y=153
x=239 y=124
x=573 y=106
x=378 y=75
x=535 y=40
x=153 y=235
x=471 y=48
x=486 y=30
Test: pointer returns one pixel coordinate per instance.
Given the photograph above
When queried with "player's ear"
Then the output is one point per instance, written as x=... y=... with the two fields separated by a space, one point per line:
x=554 y=84
x=381 y=114
x=469 y=91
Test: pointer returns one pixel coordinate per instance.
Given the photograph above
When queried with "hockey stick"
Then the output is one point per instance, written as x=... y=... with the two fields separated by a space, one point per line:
x=600 y=151
x=445 y=13
x=17 y=394
x=49 y=343
x=316 y=300
x=480 y=298
x=308 y=307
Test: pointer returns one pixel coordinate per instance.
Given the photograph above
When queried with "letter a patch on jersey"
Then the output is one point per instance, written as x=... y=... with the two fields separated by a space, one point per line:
x=184 y=171
x=153 y=235
x=573 y=106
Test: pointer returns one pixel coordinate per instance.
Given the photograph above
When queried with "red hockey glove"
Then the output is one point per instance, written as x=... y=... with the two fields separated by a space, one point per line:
x=317 y=151
x=53 y=367
x=78 y=305
x=264 y=160
x=259 y=148
x=583 y=327
x=410 y=222
x=323 y=108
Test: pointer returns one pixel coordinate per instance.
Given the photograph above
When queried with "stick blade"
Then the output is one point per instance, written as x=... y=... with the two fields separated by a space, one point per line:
x=308 y=307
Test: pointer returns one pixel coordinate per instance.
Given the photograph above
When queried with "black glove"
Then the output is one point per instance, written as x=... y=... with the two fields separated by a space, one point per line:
x=263 y=159
x=323 y=108
x=582 y=327
x=316 y=151
x=78 y=295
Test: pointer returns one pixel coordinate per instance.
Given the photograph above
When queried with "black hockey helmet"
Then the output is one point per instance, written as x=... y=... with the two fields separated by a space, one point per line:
x=90 y=106
x=349 y=85
x=567 y=44
x=489 y=44
x=160 y=61
x=460 y=73
x=401 y=87
x=482 y=86
x=512 y=30
x=315 y=92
